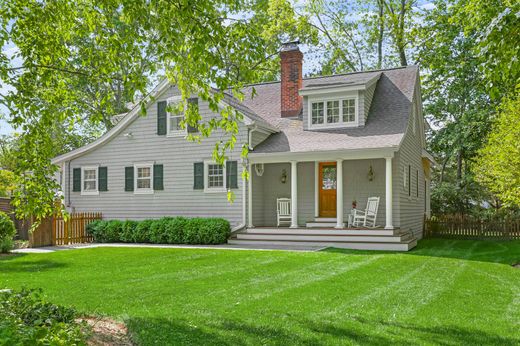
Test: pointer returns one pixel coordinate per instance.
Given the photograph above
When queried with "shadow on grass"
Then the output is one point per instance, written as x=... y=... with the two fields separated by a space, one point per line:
x=505 y=252
x=7 y=266
x=154 y=331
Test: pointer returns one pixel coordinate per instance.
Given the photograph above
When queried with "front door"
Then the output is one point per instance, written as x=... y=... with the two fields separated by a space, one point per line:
x=327 y=185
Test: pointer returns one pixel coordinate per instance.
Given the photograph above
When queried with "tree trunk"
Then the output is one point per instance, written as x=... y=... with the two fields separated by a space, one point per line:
x=380 y=34
x=400 y=37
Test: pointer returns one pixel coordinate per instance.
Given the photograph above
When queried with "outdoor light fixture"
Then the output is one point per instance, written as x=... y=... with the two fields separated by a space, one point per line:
x=259 y=169
x=370 y=174
x=283 y=178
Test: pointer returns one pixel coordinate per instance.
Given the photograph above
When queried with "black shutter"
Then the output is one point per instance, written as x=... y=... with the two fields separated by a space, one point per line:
x=103 y=179
x=161 y=118
x=198 y=175
x=231 y=175
x=76 y=180
x=193 y=102
x=129 y=178
x=158 y=177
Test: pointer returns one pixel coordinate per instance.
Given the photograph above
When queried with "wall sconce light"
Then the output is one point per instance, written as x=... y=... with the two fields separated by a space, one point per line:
x=259 y=169
x=129 y=135
x=370 y=174
x=283 y=178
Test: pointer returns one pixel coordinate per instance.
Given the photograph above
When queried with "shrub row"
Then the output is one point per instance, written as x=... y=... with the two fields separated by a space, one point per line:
x=26 y=319
x=168 y=230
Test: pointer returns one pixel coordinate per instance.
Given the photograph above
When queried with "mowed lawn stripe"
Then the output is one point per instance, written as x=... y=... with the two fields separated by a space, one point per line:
x=445 y=292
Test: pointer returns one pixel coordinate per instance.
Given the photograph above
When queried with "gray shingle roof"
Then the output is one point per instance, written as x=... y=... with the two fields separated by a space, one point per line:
x=385 y=126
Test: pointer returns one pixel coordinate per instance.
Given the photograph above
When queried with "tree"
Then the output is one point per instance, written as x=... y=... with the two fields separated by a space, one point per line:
x=62 y=44
x=498 y=165
x=457 y=104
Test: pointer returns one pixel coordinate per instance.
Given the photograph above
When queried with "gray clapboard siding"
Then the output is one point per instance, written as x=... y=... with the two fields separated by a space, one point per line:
x=177 y=155
x=411 y=208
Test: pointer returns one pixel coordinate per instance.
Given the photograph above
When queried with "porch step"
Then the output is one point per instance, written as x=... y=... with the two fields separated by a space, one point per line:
x=323 y=231
x=355 y=245
x=324 y=237
x=321 y=224
x=325 y=219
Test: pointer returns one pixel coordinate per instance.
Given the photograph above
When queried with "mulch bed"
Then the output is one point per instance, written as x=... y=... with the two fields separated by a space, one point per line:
x=105 y=332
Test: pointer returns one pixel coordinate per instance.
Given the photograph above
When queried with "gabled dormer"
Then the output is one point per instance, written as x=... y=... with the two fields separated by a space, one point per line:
x=338 y=102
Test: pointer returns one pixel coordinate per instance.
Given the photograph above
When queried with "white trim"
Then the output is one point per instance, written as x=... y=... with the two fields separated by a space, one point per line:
x=388 y=194
x=316 y=189
x=178 y=133
x=339 y=194
x=340 y=123
x=208 y=189
x=90 y=168
x=325 y=89
x=329 y=155
x=143 y=191
x=294 y=194
x=250 y=197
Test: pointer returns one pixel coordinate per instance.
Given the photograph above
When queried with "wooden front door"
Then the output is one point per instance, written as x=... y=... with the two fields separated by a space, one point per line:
x=327 y=189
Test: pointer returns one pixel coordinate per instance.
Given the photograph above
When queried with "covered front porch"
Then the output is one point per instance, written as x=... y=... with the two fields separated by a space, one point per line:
x=322 y=193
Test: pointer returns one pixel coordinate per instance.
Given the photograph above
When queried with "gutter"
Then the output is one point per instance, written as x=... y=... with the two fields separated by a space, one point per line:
x=243 y=224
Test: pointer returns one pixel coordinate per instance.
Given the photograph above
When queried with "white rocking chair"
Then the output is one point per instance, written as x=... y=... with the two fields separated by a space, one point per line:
x=283 y=211
x=368 y=217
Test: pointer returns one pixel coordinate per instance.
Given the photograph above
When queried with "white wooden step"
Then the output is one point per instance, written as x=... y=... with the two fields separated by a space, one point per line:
x=321 y=237
x=405 y=246
x=324 y=231
x=325 y=219
x=318 y=224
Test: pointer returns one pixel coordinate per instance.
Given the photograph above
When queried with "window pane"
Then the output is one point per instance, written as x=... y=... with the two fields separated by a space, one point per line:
x=143 y=183
x=175 y=123
x=89 y=185
x=349 y=110
x=143 y=172
x=332 y=111
x=89 y=174
x=317 y=113
x=215 y=175
x=328 y=181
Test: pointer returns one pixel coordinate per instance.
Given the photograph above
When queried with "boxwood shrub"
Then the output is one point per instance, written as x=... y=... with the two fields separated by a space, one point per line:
x=7 y=232
x=168 y=230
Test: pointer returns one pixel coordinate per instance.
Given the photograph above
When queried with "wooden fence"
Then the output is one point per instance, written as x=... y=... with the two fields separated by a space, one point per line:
x=74 y=229
x=470 y=228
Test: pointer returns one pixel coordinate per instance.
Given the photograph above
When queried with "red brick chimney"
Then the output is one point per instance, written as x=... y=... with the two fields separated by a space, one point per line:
x=291 y=73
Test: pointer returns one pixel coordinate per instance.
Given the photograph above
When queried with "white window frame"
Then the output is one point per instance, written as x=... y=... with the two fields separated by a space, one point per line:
x=140 y=191
x=178 y=133
x=206 y=178
x=340 y=123
x=89 y=168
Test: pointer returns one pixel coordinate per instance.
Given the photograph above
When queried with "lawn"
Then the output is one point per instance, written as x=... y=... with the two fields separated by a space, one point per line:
x=443 y=292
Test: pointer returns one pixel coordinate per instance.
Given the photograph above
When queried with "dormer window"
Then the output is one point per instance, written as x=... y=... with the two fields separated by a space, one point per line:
x=341 y=112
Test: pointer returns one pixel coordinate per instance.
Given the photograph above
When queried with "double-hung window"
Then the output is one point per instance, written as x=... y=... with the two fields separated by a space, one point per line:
x=89 y=184
x=215 y=177
x=143 y=178
x=335 y=112
x=176 y=109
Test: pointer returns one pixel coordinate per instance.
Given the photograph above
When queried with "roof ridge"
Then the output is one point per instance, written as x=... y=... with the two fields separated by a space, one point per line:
x=340 y=74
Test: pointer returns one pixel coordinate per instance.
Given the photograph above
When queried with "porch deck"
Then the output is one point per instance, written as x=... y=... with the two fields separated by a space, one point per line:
x=347 y=238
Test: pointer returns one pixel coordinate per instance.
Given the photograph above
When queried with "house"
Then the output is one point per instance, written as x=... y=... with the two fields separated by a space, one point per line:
x=303 y=134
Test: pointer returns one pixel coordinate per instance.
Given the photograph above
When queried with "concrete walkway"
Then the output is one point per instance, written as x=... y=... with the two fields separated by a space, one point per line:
x=48 y=249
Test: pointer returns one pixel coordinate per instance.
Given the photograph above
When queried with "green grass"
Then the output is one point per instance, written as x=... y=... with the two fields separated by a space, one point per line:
x=444 y=292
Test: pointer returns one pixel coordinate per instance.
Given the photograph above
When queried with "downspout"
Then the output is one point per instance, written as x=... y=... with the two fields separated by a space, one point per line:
x=244 y=196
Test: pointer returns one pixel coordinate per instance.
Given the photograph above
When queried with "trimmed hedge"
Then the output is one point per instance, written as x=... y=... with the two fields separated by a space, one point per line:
x=168 y=230
x=7 y=232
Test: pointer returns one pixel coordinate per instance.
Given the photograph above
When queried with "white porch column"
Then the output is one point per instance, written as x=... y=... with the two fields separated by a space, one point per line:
x=250 y=198
x=389 y=200
x=339 y=194
x=294 y=194
x=316 y=189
